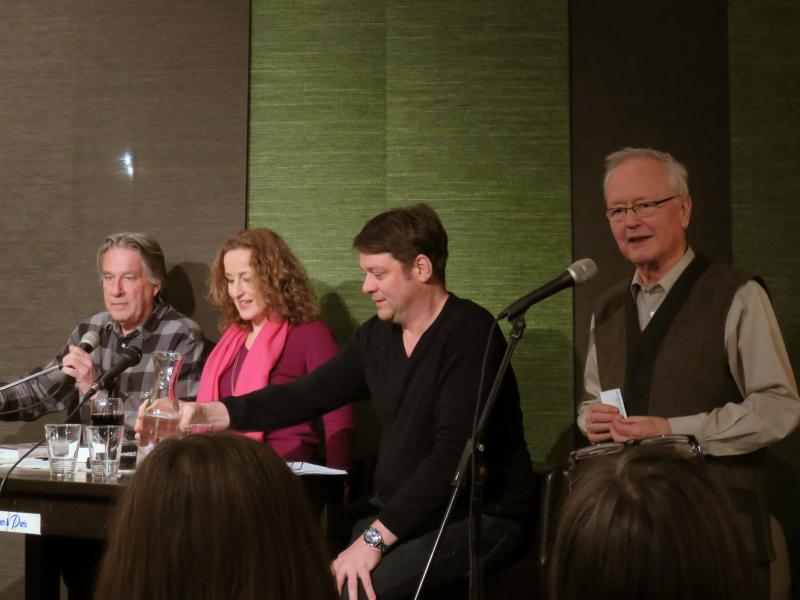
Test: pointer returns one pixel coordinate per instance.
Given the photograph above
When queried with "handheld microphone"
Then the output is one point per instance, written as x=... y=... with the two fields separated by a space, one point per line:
x=89 y=341
x=578 y=272
x=130 y=356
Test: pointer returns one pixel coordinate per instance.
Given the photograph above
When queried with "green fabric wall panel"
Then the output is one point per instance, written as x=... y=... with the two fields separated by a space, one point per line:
x=477 y=125
x=317 y=136
x=317 y=143
x=359 y=107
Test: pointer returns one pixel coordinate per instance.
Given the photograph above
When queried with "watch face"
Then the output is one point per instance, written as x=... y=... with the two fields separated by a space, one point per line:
x=372 y=536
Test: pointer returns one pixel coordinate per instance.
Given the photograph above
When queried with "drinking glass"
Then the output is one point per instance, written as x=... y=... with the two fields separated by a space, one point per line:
x=107 y=410
x=63 y=441
x=105 y=449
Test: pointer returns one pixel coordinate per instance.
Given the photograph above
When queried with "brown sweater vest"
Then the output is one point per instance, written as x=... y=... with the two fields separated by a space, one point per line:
x=677 y=365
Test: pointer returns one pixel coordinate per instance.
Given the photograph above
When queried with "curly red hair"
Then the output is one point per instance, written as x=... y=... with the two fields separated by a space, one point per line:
x=280 y=278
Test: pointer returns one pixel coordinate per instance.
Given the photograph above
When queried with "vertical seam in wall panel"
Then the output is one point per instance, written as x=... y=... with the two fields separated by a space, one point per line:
x=385 y=111
x=247 y=112
x=576 y=383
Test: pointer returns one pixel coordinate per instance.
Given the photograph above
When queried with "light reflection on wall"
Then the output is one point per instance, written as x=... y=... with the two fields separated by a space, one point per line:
x=127 y=162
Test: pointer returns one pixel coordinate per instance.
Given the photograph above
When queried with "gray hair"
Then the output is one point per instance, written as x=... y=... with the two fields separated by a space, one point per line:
x=147 y=247
x=677 y=176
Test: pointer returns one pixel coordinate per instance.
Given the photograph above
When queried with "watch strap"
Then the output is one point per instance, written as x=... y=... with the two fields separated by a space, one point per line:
x=373 y=538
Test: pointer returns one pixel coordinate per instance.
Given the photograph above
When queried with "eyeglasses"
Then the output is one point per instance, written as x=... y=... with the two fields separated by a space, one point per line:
x=640 y=209
x=686 y=446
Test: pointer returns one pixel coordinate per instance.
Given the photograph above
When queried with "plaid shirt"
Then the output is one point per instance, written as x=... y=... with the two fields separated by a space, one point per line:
x=165 y=330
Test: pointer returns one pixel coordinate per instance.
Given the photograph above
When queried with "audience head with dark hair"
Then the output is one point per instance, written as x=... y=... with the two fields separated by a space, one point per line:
x=214 y=516
x=647 y=523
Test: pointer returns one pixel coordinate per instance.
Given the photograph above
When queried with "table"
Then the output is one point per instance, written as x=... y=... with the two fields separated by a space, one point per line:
x=82 y=509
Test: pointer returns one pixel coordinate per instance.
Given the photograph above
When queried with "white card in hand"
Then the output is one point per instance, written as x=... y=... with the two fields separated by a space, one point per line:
x=614 y=398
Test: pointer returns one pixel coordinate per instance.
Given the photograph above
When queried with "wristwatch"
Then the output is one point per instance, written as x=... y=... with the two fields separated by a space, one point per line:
x=372 y=537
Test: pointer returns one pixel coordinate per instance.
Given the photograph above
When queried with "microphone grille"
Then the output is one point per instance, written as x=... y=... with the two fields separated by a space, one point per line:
x=134 y=354
x=582 y=270
x=91 y=339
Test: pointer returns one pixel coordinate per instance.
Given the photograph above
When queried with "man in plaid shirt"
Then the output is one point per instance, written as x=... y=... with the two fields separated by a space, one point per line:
x=133 y=273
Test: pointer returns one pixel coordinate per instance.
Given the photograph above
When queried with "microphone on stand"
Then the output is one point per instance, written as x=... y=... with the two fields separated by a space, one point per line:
x=130 y=356
x=578 y=272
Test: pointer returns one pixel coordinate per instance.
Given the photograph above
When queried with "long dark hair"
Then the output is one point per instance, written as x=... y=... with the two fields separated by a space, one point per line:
x=647 y=523
x=214 y=516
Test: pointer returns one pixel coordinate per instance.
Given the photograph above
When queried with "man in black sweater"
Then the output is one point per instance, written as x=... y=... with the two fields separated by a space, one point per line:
x=419 y=360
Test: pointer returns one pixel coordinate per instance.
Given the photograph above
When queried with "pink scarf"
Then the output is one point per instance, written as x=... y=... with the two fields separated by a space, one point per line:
x=253 y=373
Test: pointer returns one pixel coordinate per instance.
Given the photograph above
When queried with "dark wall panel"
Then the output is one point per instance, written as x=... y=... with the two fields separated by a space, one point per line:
x=765 y=154
x=116 y=116
x=85 y=85
x=647 y=74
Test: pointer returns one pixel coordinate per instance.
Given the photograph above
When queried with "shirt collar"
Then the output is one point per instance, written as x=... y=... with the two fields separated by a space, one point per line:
x=668 y=280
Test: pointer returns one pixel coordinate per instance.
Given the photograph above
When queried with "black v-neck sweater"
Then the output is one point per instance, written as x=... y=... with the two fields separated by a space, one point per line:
x=425 y=403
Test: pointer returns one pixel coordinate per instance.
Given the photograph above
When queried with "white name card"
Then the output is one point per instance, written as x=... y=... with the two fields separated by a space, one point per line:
x=18 y=522
x=614 y=398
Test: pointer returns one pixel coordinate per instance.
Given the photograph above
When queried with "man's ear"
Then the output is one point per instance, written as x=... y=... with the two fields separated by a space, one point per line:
x=686 y=211
x=422 y=268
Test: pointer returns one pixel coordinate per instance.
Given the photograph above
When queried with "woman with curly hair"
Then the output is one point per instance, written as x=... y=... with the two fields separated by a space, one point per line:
x=271 y=334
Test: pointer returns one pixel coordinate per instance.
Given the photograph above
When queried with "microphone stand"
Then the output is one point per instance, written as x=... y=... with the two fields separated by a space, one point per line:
x=472 y=457
x=31 y=376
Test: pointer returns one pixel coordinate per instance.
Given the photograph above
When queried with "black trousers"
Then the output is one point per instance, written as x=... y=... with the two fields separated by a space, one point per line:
x=397 y=575
x=76 y=559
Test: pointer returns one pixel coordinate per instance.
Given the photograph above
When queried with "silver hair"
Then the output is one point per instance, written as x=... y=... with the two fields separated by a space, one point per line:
x=677 y=176
x=147 y=247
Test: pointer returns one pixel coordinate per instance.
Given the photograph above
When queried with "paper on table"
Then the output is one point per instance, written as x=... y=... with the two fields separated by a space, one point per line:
x=11 y=452
x=301 y=468
x=304 y=468
x=41 y=462
x=28 y=463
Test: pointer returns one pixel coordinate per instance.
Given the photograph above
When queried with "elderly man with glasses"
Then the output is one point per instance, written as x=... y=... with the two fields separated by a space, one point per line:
x=691 y=346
